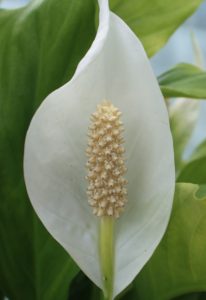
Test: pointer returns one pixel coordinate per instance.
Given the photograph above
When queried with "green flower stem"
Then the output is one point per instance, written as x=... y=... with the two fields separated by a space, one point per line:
x=107 y=255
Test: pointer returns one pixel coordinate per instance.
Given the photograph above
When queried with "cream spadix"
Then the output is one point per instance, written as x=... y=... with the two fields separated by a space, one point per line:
x=115 y=68
x=106 y=190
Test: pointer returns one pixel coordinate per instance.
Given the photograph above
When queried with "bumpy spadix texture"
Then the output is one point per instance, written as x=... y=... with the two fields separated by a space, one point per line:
x=106 y=190
x=115 y=68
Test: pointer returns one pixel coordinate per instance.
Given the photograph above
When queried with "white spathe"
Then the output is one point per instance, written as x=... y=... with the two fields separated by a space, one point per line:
x=115 y=68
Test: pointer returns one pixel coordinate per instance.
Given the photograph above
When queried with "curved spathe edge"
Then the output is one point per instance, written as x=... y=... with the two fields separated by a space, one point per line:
x=99 y=41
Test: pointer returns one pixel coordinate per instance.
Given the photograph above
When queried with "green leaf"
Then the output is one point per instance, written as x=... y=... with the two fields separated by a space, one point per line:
x=83 y=288
x=40 y=48
x=183 y=115
x=1 y=296
x=192 y=296
x=194 y=171
x=184 y=80
x=33 y=265
x=178 y=265
x=154 y=21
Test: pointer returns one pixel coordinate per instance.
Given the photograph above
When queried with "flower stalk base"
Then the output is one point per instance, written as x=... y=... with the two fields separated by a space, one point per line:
x=107 y=255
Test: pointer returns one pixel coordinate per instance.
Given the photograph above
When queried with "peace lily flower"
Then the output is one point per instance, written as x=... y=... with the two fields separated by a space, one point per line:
x=113 y=236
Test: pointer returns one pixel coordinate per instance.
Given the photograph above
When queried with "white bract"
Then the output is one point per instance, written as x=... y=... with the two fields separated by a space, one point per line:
x=115 y=68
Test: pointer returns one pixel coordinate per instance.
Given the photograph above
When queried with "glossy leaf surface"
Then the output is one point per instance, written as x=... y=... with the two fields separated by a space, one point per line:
x=154 y=21
x=184 y=80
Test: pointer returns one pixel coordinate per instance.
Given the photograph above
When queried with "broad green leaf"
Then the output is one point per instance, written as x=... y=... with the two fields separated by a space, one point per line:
x=184 y=80
x=132 y=295
x=40 y=48
x=194 y=170
x=82 y=287
x=192 y=296
x=33 y=265
x=154 y=21
x=178 y=265
x=183 y=115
